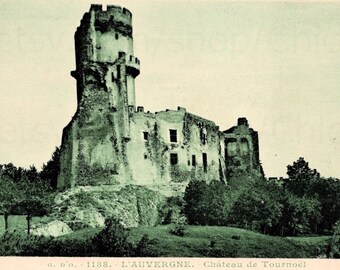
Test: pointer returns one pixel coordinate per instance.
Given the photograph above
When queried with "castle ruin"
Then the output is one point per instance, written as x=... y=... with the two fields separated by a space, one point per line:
x=111 y=141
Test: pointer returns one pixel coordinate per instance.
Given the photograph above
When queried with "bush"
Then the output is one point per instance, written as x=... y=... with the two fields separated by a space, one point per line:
x=207 y=204
x=112 y=240
x=179 y=229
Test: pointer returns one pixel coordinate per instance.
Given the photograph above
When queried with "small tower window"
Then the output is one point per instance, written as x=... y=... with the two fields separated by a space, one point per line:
x=145 y=156
x=193 y=160
x=118 y=71
x=173 y=135
x=203 y=135
x=173 y=158
x=112 y=77
x=116 y=35
x=205 y=161
x=146 y=135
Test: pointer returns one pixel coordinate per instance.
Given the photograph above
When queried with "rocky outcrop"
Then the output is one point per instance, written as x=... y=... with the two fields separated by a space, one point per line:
x=86 y=207
x=53 y=228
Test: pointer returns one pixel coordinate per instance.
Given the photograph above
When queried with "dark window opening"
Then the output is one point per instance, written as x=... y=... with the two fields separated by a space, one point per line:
x=173 y=159
x=146 y=135
x=193 y=160
x=203 y=135
x=205 y=161
x=116 y=36
x=173 y=135
x=145 y=156
x=118 y=71
x=188 y=162
x=112 y=77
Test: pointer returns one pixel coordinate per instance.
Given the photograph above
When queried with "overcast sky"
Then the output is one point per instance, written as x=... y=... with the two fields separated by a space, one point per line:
x=278 y=64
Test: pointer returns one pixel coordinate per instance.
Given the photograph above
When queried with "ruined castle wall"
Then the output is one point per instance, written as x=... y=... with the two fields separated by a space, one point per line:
x=202 y=139
x=150 y=155
x=145 y=152
x=68 y=159
x=241 y=149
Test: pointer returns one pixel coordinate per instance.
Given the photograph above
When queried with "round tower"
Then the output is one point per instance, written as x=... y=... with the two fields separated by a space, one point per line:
x=105 y=37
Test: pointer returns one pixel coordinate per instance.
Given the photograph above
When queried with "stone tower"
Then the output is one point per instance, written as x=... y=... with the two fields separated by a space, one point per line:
x=93 y=144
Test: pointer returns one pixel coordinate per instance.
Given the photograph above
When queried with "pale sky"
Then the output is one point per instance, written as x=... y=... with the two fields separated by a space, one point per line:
x=278 y=64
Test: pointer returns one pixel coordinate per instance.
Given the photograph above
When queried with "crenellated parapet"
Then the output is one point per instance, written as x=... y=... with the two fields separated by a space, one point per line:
x=113 y=18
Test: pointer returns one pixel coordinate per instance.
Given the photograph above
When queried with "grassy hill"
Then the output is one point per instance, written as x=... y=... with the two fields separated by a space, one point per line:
x=210 y=241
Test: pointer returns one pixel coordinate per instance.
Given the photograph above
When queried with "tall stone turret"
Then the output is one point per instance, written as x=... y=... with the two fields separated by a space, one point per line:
x=93 y=144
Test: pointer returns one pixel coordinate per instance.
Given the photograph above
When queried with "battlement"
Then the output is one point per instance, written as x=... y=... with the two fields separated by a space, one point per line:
x=113 y=18
x=112 y=13
x=112 y=9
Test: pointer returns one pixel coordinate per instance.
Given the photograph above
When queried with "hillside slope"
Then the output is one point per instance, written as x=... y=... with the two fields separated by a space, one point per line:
x=209 y=241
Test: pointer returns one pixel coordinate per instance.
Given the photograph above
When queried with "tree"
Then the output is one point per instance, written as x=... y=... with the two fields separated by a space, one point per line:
x=258 y=207
x=300 y=177
x=50 y=170
x=207 y=204
x=194 y=198
x=300 y=215
x=36 y=201
x=9 y=196
x=327 y=190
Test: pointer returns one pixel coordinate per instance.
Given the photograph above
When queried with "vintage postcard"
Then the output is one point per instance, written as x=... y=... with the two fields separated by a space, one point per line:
x=169 y=134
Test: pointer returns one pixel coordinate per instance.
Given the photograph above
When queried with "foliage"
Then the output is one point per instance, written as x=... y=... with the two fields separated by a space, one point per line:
x=207 y=204
x=179 y=229
x=327 y=191
x=300 y=177
x=300 y=215
x=170 y=211
x=112 y=240
x=50 y=170
x=9 y=196
x=257 y=207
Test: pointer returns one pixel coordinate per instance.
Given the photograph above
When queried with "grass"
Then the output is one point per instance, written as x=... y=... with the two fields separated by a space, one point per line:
x=212 y=241
x=204 y=241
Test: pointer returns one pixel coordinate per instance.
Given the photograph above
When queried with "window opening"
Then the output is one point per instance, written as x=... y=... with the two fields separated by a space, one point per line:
x=173 y=158
x=118 y=71
x=146 y=135
x=193 y=160
x=205 y=161
x=173 y=135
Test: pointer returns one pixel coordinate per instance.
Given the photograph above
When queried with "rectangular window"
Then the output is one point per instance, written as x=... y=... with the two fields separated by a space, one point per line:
x=205 y=161
x=145 y=156
x=193 y=160
x=146 y=135
x=118 y=71
x=173 y=159
x=173 y=135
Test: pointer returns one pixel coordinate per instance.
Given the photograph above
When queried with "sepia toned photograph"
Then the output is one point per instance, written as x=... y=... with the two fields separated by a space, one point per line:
x=170 y=129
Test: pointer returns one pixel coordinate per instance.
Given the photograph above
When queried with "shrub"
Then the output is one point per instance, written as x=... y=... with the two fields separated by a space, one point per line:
x=112 y=240
x=179 y=229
